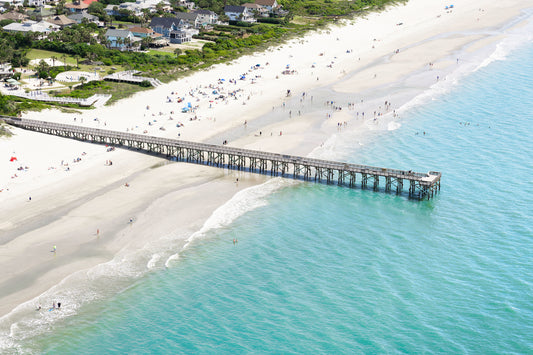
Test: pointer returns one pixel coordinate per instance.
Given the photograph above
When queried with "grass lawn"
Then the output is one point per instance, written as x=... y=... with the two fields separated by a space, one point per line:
x=42 y=54
x=118 y=91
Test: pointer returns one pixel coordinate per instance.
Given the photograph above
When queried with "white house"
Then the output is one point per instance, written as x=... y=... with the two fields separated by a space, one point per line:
x=135 y=7
x=239 y=13
x=269 y=5
x=37 y=3
x=205 y=17
x=31 y=26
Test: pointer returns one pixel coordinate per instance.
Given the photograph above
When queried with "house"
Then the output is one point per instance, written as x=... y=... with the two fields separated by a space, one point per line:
x=31 y=26
x=37 y=3
x=239 y=13
x=269 y=5
x=190 y=5
x=180 y=36
x=206 y=17
x=256 y=9
x=76 y=6
x=122 y=40
x=13 y=15
x=142 y=32
x=8 y=3
x=61 y=20
x=79 y=18
x=164 y=25
x=136 y=7
x=189 y=18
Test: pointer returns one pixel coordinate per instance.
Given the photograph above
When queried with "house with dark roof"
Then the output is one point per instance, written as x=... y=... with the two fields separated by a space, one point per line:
x=176 y=30
x=84 y=15
x=164 y=25
x=206 y=17
x=190 y=18
x=239 y=13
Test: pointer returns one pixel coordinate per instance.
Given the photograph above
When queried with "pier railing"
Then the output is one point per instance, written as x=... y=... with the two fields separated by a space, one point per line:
x=420 y=185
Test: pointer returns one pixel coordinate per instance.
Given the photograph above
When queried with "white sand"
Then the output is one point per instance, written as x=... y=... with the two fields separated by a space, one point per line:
x=67 y=207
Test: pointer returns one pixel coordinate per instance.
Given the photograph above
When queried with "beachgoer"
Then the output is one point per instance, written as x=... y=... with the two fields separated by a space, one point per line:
x=58 y=305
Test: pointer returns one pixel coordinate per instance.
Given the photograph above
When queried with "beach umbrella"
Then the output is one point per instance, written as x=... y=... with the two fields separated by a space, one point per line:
x=189 y=104
x=13 y=159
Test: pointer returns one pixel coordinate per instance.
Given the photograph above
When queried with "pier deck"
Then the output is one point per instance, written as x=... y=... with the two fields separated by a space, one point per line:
x=420 y=185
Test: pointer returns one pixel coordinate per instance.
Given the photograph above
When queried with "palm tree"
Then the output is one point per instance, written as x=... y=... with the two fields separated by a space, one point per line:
x=83 y=80
x=54 y=58
x=177 y=52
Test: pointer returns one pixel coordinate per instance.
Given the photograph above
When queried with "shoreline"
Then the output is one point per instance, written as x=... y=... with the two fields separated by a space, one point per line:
x=95 y=198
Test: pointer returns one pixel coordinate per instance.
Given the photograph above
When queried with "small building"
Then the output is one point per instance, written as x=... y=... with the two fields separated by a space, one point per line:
x=239 y=13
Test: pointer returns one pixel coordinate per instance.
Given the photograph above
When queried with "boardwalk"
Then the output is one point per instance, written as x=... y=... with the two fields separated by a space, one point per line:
x=101 y=99
x=130 y=76
x=420 y=185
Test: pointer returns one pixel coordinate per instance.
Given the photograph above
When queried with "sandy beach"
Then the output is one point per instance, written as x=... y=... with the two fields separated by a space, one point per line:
x=65 y=195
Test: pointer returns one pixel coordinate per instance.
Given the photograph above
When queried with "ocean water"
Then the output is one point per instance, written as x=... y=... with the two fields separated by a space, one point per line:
x=323 y=269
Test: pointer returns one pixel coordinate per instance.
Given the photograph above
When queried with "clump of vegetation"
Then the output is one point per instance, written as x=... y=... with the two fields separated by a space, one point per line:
x=4 y=132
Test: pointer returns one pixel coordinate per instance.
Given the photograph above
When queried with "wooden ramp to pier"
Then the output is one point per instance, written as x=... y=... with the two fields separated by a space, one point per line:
x=420 y=185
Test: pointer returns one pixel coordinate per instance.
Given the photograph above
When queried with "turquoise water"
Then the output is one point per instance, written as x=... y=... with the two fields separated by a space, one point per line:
x=322 y=269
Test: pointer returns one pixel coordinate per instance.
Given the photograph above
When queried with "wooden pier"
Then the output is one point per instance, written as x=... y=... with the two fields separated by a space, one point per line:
x=420 y=185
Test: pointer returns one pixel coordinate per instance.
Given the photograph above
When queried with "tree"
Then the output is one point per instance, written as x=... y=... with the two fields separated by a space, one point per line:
x=83 y=80
x=177 y=52
x=60 y=7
